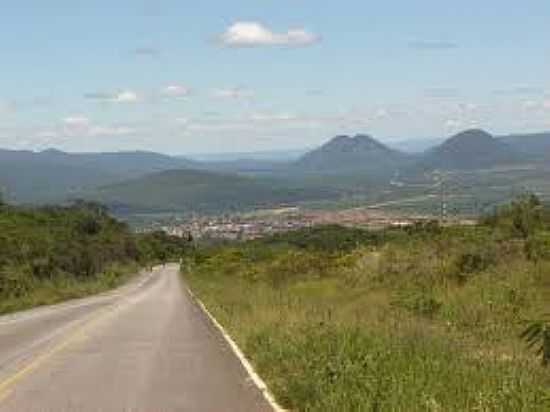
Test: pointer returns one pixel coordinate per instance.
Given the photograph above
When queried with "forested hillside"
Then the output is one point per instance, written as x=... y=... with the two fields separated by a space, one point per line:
x=54 y=253
x=344 y=154
x=188 y=191
x=53 y=175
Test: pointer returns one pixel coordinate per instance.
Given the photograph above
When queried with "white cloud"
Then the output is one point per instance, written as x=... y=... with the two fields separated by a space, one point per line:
x=79 y=125
x=233 y=93
x=47 y=134
x=469 y=107
x=274 y=118
x=226 y=126
x=251 y=34
x=530 y=104
x=125 y=96
x=183 y=120
x=536 y=105
x=99 y=131
x=76 y=121
x=453 y=124
x=176 y=90
x=381 y=114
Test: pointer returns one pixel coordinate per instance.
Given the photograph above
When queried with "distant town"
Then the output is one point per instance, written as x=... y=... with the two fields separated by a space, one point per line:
x=269 y=222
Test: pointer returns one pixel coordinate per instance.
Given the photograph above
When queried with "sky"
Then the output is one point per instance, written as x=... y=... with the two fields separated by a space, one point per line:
x=185 y=77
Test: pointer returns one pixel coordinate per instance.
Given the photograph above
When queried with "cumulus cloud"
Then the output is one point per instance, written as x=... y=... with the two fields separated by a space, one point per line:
x=183 y=120
x=253 y=34
x=225 y=126
x=76 y=121
x=273 y=118
x=535 y=105
x=530 y=105
x=126 y=96
x=233 y=93
x=176 y=90
x=453 y=124
x=520 y=90
x=99 y=131
x=79 y=125
x=47 y=135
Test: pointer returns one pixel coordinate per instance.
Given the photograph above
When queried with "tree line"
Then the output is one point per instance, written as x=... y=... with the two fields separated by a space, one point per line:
x=79 y=242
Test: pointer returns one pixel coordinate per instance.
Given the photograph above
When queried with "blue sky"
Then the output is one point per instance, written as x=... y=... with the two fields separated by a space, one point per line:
x=218 y=76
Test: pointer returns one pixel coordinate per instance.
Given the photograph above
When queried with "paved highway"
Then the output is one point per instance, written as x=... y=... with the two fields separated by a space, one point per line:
x=144 y=347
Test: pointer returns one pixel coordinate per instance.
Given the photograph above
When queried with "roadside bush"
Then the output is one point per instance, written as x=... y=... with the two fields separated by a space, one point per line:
x=327 y=239
x=537 y=247
x=53 y=253
x=16 y=281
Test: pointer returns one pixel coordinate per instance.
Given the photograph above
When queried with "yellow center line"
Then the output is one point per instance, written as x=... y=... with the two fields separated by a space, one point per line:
x=6 y=386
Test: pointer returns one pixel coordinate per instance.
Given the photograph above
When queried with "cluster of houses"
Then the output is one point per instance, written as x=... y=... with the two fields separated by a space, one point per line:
x=245 y=227
x=235 y=227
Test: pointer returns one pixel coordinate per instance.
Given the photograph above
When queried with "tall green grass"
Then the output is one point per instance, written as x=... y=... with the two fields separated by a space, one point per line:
x=423 y=319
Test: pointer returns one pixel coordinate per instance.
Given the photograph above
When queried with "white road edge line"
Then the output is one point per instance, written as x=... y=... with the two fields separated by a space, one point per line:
x=258 y=382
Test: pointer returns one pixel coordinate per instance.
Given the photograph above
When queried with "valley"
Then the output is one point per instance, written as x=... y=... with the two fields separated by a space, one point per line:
x=469 y=173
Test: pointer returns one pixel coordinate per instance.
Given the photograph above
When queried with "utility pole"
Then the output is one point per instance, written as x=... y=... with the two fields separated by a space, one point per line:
x=443 y=196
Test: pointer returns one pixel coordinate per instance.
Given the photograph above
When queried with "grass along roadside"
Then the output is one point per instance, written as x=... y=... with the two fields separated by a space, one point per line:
x=421 y=320
x=62 y=288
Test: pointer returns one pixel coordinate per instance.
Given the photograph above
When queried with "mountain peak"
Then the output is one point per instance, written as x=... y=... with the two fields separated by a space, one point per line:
x=345 y=153
x=470 y=149
x=358 y=143
x=472 y=135
x=53 y=151
x=472 y=141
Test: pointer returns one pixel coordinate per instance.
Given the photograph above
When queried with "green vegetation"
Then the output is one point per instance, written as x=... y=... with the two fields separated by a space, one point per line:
x=359 y=155
x=54 y=253
x=51 y=175
x=423 y=318
x=205 y=192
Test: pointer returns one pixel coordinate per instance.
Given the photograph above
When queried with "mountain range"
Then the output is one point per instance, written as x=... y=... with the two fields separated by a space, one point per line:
x=151 y=181
x=536 y=145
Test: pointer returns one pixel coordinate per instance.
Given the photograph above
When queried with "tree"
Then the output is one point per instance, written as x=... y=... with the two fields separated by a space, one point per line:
x=526 y=215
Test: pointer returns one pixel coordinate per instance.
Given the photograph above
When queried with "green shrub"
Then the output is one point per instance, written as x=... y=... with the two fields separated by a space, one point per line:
x=52 y=253
x=537 y=247
x=419 y=301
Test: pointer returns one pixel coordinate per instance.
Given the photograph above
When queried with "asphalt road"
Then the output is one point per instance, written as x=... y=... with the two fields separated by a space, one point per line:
x=144 y=347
